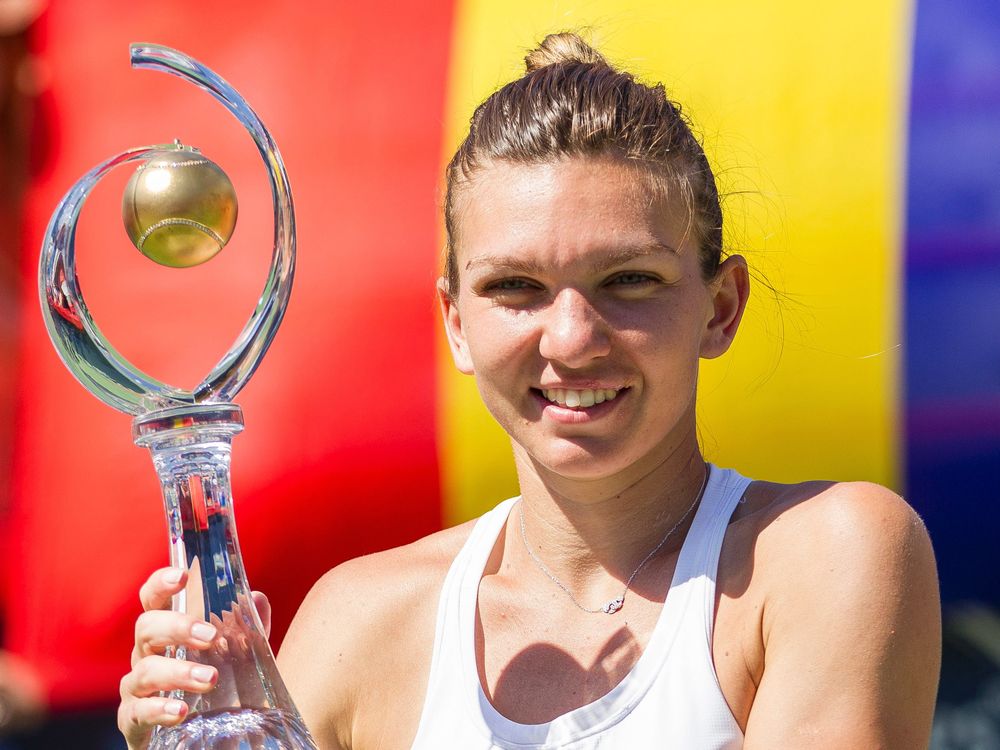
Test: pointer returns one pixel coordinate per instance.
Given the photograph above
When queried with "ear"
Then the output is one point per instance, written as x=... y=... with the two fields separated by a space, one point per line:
x=730 y=290
x=453 y=328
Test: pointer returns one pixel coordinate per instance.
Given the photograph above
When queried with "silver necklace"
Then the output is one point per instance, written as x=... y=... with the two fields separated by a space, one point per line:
x=614 y=605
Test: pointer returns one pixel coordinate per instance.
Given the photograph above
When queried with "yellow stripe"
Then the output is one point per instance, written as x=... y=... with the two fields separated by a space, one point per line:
x=802 y=105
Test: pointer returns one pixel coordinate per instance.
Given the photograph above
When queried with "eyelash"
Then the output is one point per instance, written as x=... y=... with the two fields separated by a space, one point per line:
x=515 y=284
x=508 y=285
x=637 y=276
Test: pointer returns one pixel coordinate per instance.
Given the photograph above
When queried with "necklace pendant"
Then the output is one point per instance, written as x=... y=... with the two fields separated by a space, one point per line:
x=614 y=605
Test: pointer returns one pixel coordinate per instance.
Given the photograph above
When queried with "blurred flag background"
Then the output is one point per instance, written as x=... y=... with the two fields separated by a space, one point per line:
x=857 y=144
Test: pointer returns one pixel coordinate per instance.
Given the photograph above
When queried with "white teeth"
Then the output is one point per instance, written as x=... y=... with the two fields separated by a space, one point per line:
x=584 y=398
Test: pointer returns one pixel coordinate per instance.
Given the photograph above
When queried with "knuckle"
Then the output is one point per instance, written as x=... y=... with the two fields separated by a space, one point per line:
x=146 y=593
x=150 y=594
x=128 y=719
x=134 y=719
x=143 y=678
x=141 y=626
x=155 y=630
x=123 y=720
x=140 y=678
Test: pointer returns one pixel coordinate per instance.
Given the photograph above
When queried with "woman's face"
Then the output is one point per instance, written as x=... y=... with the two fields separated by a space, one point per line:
x=582 y=312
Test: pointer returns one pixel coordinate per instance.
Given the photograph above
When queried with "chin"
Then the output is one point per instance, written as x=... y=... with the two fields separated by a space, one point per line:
x=572 y=461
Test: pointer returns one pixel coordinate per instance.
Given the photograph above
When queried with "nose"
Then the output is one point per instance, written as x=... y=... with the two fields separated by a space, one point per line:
x=573 y=332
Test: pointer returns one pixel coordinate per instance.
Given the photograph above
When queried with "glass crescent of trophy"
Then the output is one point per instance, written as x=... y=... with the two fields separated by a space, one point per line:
x=179 y=209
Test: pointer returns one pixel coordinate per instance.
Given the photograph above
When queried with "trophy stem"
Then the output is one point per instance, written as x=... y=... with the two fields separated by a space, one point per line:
x=191 y=448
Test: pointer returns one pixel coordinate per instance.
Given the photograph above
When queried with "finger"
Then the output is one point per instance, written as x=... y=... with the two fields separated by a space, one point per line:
x=155 y=674
x=158 y=629
x=158 y=589
x=138 y=717
x=264 y=610
x=219 y=651
x=236 y=626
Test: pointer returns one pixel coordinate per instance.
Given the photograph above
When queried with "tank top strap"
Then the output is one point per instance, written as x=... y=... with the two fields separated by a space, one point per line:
x=698 y=563
x=447 y=676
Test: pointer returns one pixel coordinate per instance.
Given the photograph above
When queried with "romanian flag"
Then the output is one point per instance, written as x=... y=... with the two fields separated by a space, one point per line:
x=850 y=140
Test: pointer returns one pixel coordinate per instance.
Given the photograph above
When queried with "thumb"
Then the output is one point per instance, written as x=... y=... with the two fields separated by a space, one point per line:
x=264 y=610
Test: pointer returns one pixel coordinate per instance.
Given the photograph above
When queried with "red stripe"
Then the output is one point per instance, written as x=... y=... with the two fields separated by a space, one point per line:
x=339 y=454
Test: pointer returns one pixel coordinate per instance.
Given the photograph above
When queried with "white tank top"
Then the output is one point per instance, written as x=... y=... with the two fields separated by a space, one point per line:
x=671 y=697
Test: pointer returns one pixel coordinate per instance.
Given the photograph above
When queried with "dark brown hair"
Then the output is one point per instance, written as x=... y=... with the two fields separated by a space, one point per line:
x=572 y=102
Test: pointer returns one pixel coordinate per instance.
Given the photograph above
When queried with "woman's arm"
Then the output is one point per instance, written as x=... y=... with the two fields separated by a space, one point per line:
x=851 y=625
x=317 y=658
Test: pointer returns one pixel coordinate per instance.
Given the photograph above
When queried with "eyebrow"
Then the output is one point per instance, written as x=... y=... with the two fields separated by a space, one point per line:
x=605 y=262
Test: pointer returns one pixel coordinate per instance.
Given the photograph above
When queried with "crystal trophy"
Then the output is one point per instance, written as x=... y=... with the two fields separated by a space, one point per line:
x=178 y=209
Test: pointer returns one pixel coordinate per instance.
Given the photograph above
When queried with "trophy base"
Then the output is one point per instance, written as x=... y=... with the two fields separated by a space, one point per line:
x=243 y=728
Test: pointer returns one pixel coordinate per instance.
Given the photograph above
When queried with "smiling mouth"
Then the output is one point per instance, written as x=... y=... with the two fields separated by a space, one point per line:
x=579 y=399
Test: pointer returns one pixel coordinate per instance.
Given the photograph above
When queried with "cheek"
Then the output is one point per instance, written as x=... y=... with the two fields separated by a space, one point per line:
x=669 y=352
x=504 y=361
x=670 y=333
x=482 y=339
x=495 y=336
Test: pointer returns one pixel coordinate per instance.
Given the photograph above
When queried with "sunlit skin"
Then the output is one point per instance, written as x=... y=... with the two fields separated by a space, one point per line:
x=594 y=281
x=584 y=273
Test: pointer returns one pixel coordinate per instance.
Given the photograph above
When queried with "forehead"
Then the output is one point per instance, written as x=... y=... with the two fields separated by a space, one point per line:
x=558 y=210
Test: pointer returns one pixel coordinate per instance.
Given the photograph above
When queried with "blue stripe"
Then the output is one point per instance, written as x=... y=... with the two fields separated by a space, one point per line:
x=952 y=318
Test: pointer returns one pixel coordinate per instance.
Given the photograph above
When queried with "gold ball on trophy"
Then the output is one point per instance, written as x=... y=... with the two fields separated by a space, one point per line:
x=179 y=208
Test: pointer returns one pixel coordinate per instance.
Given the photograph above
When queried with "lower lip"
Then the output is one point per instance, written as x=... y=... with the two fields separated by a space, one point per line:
x=580 y=415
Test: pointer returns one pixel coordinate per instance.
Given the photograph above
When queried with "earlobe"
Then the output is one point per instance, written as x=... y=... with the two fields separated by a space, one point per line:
x=730 y=290
x=453 y=329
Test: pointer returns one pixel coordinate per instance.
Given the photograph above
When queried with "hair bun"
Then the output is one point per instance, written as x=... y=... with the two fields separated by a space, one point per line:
x=564 y=47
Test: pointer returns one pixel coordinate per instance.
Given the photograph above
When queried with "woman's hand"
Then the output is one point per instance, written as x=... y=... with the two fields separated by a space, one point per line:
x=142 y=706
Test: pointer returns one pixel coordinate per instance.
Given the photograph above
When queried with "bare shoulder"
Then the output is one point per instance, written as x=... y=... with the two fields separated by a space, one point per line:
x=364 y=626
x=842 y=535
x=785 y=540
x=849 y=626
x=857 y=546
x=853 y=517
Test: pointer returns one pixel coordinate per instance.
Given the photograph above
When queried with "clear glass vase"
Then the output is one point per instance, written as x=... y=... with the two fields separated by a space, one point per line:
x=249 y=707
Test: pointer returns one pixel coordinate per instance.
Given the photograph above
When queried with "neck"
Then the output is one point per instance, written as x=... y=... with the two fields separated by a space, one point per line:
x=589 y=530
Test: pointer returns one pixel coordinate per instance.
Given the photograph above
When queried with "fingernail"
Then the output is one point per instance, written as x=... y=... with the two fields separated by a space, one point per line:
x=173 y=575
x=173 y=708
x=202 y=674
x=203 y=631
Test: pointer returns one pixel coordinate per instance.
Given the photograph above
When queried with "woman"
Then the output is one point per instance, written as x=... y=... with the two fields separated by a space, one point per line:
x=632 y=596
